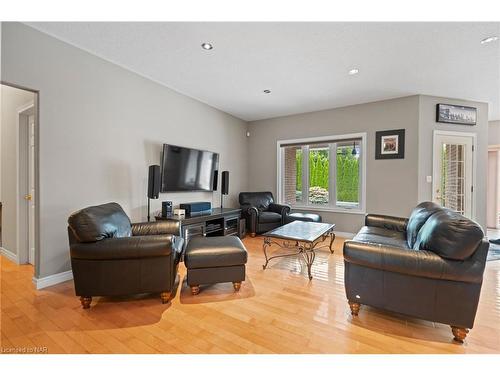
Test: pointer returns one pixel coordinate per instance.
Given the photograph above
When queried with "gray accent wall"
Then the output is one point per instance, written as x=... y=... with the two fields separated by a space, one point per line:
x=100 y=128
x=391 y=184
x=427 y=125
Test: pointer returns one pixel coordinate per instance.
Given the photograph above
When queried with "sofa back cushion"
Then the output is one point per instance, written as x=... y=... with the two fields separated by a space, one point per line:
x=261 y=199
x=449 y=235
x=417 y=219
x=99 y=222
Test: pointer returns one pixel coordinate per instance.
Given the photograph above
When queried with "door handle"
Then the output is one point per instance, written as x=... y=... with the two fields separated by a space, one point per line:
x=28 y=197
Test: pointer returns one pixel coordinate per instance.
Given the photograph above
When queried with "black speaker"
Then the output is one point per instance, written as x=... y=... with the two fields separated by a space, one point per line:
x=225 y=183
x=166 y=208
x=216 y=178
x=154 y=182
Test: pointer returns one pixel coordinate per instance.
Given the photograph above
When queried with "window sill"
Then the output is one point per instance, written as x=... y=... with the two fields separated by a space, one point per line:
x=355 y=211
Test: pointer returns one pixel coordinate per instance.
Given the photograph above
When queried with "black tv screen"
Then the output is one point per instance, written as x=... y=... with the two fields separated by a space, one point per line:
x=187 y=169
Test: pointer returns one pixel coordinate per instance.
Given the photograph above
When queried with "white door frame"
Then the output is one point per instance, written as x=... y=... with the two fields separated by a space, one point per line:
x=22 y=232
x=435 y=163
x=496 y=149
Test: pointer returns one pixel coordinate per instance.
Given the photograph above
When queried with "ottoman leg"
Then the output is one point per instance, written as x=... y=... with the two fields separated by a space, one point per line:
x=195 y=289
x=237 y=286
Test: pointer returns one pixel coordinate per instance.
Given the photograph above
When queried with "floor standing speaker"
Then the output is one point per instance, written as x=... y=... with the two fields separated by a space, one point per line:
x=224 y=186
x=154 y=182
x=153 y=185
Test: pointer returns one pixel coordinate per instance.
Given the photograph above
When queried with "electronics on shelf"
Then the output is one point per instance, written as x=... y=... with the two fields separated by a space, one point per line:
x=196 y=208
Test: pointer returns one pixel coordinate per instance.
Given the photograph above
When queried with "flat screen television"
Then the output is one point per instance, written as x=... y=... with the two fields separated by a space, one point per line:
x=187 y=169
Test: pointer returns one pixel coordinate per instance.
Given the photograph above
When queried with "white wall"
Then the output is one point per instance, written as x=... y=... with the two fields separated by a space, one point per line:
x=12 y=100
x=100 y=128
x=427 y=125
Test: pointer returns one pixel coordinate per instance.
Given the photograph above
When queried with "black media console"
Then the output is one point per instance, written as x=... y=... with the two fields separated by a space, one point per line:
x=220 y=222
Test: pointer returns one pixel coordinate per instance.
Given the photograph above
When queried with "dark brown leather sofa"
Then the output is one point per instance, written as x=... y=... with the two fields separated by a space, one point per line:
x=429 y=266
x=112 y=257
x=260 y=211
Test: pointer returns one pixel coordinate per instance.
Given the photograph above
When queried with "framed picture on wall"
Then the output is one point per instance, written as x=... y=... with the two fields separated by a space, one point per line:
x=390 y=144
x=456 y=114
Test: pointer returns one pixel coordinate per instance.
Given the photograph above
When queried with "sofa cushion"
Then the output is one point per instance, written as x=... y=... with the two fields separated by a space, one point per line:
x=269 y=217
x=99 y=222
x=207 y=252
x=450 y=235
x=417 y=219
x=419 y=263
x=381 y=236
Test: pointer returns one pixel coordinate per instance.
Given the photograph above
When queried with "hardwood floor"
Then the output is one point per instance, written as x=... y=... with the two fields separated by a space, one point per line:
x=276 y=311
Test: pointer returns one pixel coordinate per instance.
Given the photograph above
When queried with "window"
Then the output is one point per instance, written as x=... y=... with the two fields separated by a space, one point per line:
x=324 y=173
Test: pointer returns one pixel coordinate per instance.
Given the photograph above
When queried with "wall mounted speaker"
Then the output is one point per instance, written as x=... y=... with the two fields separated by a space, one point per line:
x=225 y=183
x=154 y=182
x=216 y=178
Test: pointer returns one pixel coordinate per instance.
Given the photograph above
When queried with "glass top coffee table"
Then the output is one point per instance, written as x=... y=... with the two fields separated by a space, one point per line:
x=300 y=236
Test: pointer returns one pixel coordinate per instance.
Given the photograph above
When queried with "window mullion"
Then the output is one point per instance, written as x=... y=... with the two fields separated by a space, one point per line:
x=332 y=176
x=305 y=175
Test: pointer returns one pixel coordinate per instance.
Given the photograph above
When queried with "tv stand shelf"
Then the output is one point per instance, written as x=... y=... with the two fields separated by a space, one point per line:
x=220 y=222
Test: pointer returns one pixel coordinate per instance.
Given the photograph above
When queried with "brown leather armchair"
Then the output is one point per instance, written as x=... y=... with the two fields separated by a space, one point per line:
x=112 y=257
x=260 y=211
x=429 y=266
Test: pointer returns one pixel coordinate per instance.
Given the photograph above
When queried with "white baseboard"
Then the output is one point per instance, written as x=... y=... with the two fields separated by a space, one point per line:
x=9 y=255
x=44 y=282
x=346 y=235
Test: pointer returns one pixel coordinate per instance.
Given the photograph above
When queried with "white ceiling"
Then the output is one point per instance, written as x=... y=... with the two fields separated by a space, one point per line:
x=304 y=64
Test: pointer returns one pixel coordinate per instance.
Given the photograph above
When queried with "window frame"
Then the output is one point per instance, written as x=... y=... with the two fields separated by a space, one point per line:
x=332 y=186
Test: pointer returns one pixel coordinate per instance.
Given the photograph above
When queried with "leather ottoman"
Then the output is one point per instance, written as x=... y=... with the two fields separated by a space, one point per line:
x=211 y=260
x=301 y=216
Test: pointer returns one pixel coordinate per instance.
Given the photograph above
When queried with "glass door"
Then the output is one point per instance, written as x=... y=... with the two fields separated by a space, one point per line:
x=453 y=163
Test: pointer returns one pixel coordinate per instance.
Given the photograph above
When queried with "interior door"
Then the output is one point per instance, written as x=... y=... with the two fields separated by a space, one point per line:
x=453 y=171
x=31 y=189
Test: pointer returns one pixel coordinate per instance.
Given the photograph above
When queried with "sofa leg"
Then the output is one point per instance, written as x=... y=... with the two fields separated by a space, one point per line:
x=253 y=234
x=237 y=286
x=165 y=297
x=86 y=301
x=459 y=333
x=195 y=289
x=354 y=308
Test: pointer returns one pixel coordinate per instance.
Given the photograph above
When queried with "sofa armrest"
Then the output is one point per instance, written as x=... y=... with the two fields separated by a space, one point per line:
x=387 y=222
x=157 y=228
x=124 y=248
x=419 y=263
x=282 y=209
x=249 y=211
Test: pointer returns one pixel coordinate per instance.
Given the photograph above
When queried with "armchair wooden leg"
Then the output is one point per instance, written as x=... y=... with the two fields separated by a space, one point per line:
x=253 y=234
x=354 y=308
x=86 y=301
x=459 y=333
x=237 y=286
x=195 y=289
x=165 y=297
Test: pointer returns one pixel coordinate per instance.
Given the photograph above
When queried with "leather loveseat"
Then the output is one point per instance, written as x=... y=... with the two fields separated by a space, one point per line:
x=429 y=266
x=112 y=257
x=260 y=211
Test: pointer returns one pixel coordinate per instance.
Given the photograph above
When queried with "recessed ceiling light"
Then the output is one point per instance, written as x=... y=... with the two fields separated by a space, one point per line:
x=267 y=91
x=489 y=39
x=353 y=71
x=207 y=46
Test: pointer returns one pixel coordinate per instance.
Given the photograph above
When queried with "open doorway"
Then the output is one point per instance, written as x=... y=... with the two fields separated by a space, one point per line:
x=19 y=174
x=493 y=194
